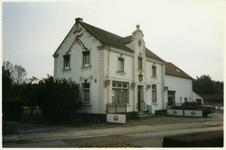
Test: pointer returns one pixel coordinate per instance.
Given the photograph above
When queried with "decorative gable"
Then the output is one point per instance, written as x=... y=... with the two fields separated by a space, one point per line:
x=138 y=42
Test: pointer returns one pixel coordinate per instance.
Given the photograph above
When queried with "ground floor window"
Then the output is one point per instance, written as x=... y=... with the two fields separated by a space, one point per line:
x=171 y=98
x=119 y=92
x=86 y=92
x=154 y=97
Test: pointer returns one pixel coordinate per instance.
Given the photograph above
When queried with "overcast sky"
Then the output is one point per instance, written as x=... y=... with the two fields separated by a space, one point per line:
x=188 y=33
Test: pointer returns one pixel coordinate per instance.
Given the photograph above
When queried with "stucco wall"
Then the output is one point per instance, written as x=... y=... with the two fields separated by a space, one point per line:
x=77 y=72
x=182 y=86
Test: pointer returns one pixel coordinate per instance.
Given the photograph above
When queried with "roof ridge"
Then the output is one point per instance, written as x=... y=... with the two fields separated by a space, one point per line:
x=154 y=54
x=102 y=29
x=177 y=68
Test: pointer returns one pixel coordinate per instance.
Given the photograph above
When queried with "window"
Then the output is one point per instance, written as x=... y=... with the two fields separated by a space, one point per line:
x=86 y=92
x=66 y=61
x=171 y=98
x=139 y=63
x=114 y=84
x=154 y=98
x=121 y=64
x=86 y=58
x=153 y=71
x=180 y=99
x=120 y=92
x=185 y=99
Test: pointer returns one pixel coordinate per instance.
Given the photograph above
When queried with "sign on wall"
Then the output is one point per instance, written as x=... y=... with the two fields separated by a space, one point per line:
x=116 y=117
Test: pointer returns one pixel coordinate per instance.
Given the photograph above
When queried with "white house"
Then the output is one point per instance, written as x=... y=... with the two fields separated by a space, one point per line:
x=118 y=70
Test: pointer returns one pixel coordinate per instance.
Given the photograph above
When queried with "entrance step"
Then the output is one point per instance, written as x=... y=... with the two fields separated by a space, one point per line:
x=142 y=116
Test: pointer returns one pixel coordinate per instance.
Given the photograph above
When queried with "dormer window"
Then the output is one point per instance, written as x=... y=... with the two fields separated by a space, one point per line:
x=86 y=58
x=66 y=61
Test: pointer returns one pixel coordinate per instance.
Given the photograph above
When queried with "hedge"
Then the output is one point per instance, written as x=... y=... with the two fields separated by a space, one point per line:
x=12 y=109
x=198 y=139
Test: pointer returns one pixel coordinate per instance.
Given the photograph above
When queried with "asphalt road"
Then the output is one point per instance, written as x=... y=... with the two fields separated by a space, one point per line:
x=146 y=139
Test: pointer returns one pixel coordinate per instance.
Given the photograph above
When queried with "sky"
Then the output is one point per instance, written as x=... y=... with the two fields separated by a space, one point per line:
x=187 y=33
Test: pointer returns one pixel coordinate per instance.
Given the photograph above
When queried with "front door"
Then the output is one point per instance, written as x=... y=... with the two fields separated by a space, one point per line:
x=140 y=99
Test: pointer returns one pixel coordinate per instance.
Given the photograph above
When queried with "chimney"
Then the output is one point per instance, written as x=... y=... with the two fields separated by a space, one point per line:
x=77 y=20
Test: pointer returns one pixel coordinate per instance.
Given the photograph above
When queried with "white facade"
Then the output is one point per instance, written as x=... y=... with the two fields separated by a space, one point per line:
x=121 y=68
x=182 y=88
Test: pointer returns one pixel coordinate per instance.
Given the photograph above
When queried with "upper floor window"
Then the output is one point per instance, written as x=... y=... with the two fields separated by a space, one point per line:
x=121 y=64
x=139 y=63
x=153 y=71
x=86 y=58
x=66 y=61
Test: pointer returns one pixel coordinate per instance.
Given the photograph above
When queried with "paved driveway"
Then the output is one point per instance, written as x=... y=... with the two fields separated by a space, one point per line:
x=39 y=133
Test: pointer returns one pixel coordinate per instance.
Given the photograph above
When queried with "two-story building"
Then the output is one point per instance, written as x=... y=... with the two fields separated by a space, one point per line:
x=118 y=70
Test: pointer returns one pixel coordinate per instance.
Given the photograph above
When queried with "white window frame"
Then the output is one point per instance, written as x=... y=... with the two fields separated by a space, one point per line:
x=84 y=95
x=154 y=97
x=66 y=62
x=121 y=64
x=121 y=88
x=85 y=55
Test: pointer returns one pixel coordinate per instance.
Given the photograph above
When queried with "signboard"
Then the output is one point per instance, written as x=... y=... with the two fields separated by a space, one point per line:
x=116 y=118
x=174 y=112
x=194 y=113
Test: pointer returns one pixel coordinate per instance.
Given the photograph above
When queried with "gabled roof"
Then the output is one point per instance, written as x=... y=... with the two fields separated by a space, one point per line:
x=152 y=55
x=173 y=70
x=114 y=40
x=106 y=37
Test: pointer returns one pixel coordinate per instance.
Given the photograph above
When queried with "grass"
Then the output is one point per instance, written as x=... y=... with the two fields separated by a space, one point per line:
x=38 y=118
x=111 y=145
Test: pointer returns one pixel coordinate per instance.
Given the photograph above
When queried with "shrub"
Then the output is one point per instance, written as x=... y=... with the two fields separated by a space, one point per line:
x=198 y=139
x=12 y=109
x=58 y=100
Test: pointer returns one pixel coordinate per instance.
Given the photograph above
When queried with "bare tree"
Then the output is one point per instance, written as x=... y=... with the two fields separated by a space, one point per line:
x=18 y=73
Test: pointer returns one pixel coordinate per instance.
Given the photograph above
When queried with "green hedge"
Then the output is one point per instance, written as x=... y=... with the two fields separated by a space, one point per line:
x=12 y=109
x=198 y=139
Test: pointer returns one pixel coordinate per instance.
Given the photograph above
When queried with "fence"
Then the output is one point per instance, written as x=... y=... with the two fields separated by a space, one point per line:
x=181 y=109
x=116 y=113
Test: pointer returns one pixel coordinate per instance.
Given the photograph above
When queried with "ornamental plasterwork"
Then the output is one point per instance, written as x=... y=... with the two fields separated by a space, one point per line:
x=66 y=71
x=120 y=73
x=89 y=78
x=154 y=78
x=81 y=78
x=86 y=68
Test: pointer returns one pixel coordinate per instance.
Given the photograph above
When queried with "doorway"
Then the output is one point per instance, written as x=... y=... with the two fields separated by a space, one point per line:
x=140 y=99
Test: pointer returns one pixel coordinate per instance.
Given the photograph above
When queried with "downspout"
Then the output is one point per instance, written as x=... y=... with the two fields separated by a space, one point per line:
x=163 y=85
x=109 y=48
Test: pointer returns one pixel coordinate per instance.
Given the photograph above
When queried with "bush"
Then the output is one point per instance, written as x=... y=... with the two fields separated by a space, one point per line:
x=12 y=109
x=198 y=139
x=58 y=100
